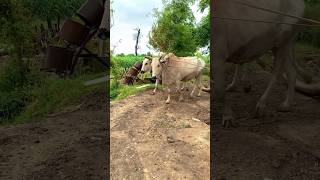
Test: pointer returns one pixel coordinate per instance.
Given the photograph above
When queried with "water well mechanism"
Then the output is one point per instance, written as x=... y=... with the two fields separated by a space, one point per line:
x=75 y=35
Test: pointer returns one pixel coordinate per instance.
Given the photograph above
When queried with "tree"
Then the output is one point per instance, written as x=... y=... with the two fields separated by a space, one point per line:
x=203 y=28
x=174 y=30
x=203 y=32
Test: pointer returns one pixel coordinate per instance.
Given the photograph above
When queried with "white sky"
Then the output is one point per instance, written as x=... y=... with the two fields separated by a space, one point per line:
x=129 y=15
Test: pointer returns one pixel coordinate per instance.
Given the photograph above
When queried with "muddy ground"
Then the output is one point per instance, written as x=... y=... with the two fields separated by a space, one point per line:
x=71 y=145
x=154 y=140
x=278 y=146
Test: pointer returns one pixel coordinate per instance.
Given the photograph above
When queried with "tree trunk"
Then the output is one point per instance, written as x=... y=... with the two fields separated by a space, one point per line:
x=137 y=43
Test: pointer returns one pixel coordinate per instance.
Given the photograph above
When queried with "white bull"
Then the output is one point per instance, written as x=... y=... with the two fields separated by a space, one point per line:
x=240 y=42
x=173 y=70
x=146 y=67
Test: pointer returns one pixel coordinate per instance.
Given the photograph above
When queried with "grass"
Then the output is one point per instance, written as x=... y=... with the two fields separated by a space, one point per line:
x=119 y=91
x=127 y=61
x=53 y=96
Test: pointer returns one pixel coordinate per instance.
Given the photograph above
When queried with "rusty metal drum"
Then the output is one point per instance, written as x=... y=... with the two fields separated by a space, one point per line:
x=91 y=13
x=58 y=59
x=73 y=32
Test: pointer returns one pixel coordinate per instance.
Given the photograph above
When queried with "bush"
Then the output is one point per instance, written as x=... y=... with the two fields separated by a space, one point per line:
x=13 y=89
x=311 y=35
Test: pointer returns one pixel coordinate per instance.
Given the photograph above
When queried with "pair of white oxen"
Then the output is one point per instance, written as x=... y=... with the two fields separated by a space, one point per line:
x=175 y=71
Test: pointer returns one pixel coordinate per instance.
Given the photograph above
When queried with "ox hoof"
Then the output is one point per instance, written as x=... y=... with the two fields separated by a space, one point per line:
x=230 y=88
x=152 y=93
x=227 y=121
x=260 y=108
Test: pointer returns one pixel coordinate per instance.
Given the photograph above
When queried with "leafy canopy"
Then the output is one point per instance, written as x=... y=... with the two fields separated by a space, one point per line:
x=174 y=30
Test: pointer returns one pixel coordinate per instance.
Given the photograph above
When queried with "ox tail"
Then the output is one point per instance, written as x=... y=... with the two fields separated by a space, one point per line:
x=309 y=89
x=306 y=83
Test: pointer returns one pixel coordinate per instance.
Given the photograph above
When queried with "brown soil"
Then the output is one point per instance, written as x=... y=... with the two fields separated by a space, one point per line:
x=154 y=140
x=67 y=146
x=278 y=146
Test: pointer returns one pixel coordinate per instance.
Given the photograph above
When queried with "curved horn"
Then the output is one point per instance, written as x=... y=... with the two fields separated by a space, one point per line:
x=148 y=57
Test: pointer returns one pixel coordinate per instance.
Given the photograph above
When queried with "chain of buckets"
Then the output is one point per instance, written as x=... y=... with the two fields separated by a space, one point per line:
x=75 y=35
x=132 y=74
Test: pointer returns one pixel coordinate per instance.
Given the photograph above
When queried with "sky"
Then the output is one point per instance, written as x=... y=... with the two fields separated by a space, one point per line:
x=129 y=15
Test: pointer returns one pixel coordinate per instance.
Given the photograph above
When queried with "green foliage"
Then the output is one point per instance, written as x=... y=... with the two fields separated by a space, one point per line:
x=53 y=95
x=126 y=61
x=203 y=31
x=204 y=4
x=15 y=26
x=174 y=30
x=13 y=85
x=311 y=35
x=120 y=91
x=51 y=10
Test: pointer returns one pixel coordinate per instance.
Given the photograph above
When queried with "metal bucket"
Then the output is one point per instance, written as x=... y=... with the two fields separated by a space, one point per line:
x=73 y=32
x=91 y=13
x=58 y=59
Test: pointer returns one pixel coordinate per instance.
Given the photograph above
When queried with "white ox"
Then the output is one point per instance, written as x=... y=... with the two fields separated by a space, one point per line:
x=240 y=42
x=174 y=70
x=146 y=67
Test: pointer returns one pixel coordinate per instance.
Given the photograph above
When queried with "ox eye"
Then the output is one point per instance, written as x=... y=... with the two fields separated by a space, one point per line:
x=158 y=65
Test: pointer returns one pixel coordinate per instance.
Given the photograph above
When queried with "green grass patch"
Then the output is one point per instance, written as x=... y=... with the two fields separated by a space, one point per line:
x=127 y=61
x=54 y=95
x=119 y=91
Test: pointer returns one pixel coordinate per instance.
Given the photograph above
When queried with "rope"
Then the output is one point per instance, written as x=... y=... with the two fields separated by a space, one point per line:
x=276 y=12
x=268 y=22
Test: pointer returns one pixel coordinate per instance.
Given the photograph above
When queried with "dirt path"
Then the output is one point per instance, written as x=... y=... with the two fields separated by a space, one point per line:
x=278 y=146
x=153 y=140
x=67 y=146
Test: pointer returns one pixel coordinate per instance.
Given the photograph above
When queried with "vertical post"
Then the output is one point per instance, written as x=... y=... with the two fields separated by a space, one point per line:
x=104 y=43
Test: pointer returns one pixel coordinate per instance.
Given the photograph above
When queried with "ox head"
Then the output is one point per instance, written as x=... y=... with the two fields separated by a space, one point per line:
x=146 y=65
x=159 y=64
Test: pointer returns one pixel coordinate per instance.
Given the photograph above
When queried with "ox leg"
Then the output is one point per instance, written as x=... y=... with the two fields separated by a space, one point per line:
x=193 y=89
x=219 y=72
x=278 y=62
x=199 y=84
x=169 y=98
x=235 y=79
x=156 y=87
x=179 y=90
x=291 y=80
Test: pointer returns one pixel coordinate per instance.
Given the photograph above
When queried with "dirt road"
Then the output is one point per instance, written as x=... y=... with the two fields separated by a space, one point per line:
x=67 y=146
x=278 y=146
x=154 y=140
